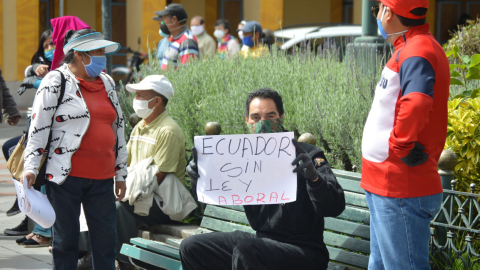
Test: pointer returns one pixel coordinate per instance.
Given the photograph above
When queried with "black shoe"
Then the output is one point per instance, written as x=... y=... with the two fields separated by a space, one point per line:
x=21 y=240
x=21 y=229
x=14 y=210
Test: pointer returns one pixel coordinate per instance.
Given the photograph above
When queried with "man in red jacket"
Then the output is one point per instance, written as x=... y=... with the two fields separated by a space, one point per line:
x=403 y=138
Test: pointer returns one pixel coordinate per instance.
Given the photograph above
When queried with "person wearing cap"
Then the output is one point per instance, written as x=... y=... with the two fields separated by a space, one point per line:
x=87 y=157
x=206 y=43
x=403 y=138
x=252 y=46
x=157 y=135
x=183 y=44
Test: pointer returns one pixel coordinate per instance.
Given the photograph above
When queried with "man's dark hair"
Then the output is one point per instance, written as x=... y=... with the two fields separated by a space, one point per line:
x=225 y=24
x=264 y=93
x=71 y=35
x=414 y=22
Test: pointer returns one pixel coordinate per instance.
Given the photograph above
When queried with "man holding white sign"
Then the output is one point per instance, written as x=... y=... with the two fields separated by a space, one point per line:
x=285 y=205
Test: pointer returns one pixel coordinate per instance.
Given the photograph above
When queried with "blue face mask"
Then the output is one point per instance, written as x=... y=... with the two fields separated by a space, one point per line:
x=49 y=54
x=248 y=41
x=380 y=26
x=96 y=66
x=163 y=34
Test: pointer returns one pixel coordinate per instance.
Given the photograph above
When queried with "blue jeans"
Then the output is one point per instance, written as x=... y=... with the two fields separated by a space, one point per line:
x=400 y=231
x=45 y=232
x=99 y=205
x=9 y=146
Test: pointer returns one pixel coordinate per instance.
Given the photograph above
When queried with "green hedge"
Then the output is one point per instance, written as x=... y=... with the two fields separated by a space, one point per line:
x=321 y=95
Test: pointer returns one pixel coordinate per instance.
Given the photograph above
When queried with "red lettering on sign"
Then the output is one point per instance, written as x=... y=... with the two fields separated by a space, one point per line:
x=220 y=200
x=260 y=199
x=236 y=200
x=249 y=199
x=276 y=196
x=284 y=199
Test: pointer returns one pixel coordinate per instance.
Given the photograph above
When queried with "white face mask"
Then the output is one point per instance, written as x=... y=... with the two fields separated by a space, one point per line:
x=197 y=29
x=240 y=34
x=219 y=34
x=141 y=108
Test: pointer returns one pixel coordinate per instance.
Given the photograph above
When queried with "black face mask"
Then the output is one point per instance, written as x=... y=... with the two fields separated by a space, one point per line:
x=164 y=28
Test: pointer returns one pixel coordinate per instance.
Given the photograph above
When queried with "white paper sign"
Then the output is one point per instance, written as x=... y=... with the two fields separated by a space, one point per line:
x=35 y=205
x=246 y=169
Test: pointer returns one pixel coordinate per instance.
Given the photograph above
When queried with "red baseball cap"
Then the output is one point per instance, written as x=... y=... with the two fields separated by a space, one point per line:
x=403 y=7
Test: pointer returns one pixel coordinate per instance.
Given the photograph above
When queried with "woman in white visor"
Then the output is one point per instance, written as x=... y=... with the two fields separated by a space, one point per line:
x=81 y=130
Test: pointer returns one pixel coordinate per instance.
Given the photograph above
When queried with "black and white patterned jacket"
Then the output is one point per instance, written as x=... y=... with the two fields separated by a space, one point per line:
x=70 y=124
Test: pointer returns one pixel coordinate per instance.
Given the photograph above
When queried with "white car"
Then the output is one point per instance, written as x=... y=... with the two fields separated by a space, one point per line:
x=339 y=35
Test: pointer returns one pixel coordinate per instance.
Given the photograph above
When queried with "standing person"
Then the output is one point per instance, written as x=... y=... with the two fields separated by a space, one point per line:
x=10 y=113
x=403 y=138
x=41 y=61
x=162 y=45
x=240 y=32
x=87 y=149
x=252 y=45
x=183 y=44
x=206 y=44
x=227 y=43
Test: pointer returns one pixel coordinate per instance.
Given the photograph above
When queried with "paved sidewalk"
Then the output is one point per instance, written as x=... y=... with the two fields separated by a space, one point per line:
x=13 y=256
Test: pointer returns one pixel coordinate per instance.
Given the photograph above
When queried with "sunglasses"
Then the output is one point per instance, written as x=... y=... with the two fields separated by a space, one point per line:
x=375 y=10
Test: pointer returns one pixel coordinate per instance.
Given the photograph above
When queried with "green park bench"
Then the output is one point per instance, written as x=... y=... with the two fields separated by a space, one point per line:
x=347 y=236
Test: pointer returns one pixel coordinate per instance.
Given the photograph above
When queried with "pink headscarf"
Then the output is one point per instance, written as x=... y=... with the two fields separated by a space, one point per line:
x=60 y=27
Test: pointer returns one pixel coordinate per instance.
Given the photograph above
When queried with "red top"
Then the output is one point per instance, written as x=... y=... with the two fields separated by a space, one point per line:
x=410 y=106
x=95 y=159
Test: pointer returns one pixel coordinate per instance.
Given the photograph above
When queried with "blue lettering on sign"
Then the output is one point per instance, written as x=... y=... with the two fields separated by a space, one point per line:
x=383 y=83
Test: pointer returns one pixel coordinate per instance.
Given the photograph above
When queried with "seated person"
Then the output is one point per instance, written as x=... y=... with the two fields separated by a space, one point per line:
x=158 y=139
x=288 y=236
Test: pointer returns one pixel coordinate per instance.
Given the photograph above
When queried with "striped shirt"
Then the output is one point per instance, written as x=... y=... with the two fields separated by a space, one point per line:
x=182 y=47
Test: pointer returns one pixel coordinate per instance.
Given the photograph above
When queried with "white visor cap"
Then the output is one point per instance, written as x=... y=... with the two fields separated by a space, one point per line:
x=90 y=42
x=157 y=83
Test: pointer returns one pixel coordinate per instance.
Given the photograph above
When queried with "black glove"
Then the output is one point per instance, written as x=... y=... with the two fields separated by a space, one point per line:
x=192 y=170
x=27 y=83
x=416 y=156
x=305 y=163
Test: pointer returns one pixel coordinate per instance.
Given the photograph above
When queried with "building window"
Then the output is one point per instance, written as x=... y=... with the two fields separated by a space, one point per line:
x=348 y=11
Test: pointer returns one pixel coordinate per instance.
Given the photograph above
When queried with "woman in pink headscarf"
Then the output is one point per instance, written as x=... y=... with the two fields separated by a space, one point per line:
x=60 y=27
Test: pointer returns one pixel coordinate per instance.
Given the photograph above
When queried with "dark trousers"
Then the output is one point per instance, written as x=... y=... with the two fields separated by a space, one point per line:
x=240 y=250
x=8 y=146
x=99 y=206
x=127 y=223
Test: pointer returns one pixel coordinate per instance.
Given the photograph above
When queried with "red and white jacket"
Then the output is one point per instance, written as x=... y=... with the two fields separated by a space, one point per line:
x=68 y=127
x=410 y=105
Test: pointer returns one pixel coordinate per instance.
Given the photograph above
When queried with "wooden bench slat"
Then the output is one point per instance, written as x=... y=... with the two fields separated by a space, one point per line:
x=347 y=227
x=356 y=214
x=225 y=214
x=348 y=257
x=348 y=175
x=150 y=257
x=202 y=231
x=234 y=207
x=346 y=242
x=224 y=226
x=174 y=242
x=157 y=247
x=355 y=199
x=350 y=185
x=337 y=266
